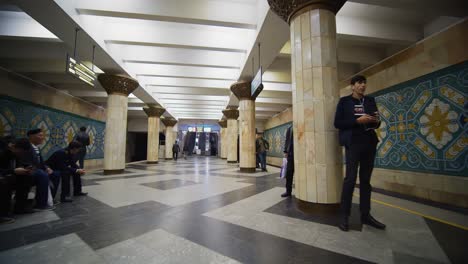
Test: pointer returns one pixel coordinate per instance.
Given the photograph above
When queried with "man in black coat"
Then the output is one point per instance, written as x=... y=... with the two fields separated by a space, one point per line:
x=356 y=118
x=289 y=155
x=63 y=162
x=13 y=177
x=83 y=138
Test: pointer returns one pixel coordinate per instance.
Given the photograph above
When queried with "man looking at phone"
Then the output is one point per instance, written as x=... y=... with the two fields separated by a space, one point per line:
x=356 y=118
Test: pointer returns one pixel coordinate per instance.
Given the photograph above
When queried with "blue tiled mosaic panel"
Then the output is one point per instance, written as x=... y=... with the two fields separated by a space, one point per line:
x=276 y=137
x=17 y=117
x=424 y=123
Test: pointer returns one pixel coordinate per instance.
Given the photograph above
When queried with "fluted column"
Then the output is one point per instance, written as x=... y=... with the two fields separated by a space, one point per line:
x=318 y=158
x=118 y=87
x=154 y=113
x=170 y=136
x=247 y=125
x=232 y=131
x=223 y=132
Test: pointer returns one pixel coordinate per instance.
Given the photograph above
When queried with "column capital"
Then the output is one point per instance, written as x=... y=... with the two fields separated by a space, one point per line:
x=242 y=91
x=154 y=110
x=169 y=121
x=287 y=9
x=117 y=84
x=231 y=113
x=222 y=123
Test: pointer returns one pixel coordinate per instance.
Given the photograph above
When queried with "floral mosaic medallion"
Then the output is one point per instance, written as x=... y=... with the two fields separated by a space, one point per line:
x=438 y=123
x=276 y=137
x=424 y=123
x=5 y=127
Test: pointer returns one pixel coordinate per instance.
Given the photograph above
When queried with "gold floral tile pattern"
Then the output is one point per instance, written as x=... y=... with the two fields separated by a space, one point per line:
x=424 y=123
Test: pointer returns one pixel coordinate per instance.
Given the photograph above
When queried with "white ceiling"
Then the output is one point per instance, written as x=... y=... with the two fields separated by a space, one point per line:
x=186 y=53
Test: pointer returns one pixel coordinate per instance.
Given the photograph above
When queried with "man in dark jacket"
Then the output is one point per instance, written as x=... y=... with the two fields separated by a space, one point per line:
x=63 y=162
x=41 y=172
x=13 y=177
x=356 y=118
x=261 y=148
x=175 y=150
x=289 y=155
x=83 y=138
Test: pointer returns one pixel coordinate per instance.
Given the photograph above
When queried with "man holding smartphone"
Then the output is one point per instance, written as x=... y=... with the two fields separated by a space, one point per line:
x=356 y=118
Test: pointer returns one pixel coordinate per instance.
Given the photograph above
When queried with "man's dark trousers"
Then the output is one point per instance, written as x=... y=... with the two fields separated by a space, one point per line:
x=289 y=174
x=63 y=176
x=81 y=156
x=362 y=156
x=175 y=155
x=76 y=184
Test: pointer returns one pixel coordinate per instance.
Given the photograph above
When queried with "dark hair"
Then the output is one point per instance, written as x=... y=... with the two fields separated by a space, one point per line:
x=23 y=144
x=34 y=131
x=83 y=128
x=74 y=145
x=358 y=79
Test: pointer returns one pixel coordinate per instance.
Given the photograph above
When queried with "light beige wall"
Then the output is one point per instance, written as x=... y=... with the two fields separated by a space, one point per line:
x=277 y=120
x=27 y=90
x=434 y=53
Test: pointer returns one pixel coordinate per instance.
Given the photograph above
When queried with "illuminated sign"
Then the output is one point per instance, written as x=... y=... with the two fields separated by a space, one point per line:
x=80 y=71
x=256 y=84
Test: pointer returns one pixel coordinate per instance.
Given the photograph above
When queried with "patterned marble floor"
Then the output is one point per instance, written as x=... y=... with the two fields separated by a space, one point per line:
x=202 y=210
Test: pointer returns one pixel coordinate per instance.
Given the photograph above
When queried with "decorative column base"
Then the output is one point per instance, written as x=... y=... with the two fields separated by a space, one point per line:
x=231 y=161
x=168 y=158
x=248 y=170
x=224 y=158
x=152 y=162
x=110 y=172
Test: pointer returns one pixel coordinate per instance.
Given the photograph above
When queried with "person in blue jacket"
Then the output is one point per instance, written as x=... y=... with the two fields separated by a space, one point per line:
x=357 y=118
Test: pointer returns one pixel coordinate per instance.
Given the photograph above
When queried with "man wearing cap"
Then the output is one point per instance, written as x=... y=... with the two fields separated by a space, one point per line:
x=41 y=172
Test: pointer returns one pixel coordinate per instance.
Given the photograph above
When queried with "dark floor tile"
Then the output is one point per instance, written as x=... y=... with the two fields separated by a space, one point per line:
x=169 y=184
x=289 y=208
x=453 y=240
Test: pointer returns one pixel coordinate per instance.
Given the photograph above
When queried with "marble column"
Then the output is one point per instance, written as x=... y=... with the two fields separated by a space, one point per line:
x=232 y=132
x=318 y=158
x=154 y=113
x=118 y=87
x=223 y=132
x=247 y=126
x=170 y=135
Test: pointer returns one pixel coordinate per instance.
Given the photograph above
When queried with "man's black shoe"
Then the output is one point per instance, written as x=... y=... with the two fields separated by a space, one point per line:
x=369 y=220
x=286 y=194
x=80 y=194
x=264 y=170
x=344 y=224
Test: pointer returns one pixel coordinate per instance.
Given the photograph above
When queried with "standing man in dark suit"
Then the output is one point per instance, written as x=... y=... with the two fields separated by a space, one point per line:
x=175 y=150
x=356 y=118
x=289 y=155
x=83 y=138
x=63 y=162
x=41 y=172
